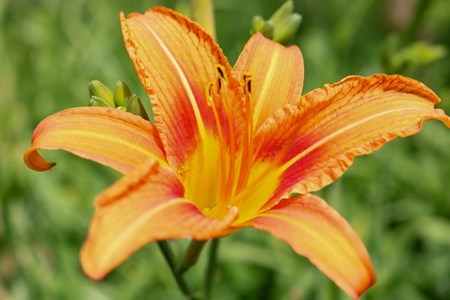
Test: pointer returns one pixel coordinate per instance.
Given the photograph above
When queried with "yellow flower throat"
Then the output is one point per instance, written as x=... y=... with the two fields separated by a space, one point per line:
x=220 y=174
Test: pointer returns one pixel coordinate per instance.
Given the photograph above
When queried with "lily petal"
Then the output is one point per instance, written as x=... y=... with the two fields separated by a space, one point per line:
x=277 y=74
x=176 y=61
x=141 y=207
x=315 y=230
x=319 y=137
x=111 y=137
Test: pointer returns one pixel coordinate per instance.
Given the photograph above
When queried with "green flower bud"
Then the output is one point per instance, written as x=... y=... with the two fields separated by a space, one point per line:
x=286 y=30
x=398 y=59
x=98 y=102
x=98 y=89
x=122 y=99
x=257 y=23
x=282 y=25
x=136 y=107
x=422 y=53
x=268 y=29
x=121 y=93
x=282 y=13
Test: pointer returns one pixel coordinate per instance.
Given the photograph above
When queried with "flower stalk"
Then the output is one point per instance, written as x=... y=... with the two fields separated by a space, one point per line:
x=191 y=255
x=211 y=267
x=168 y=255
x=203 y=13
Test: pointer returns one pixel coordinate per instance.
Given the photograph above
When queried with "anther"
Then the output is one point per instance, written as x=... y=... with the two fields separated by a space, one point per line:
x=209 y=94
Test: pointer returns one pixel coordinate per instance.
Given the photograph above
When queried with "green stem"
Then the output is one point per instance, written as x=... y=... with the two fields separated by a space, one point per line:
x=417 y=20
x=203 y=13
x=211 y=268
x=191 y=256
x=168 y=255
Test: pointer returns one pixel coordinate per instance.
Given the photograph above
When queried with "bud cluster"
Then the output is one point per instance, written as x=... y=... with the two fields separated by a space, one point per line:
x=102 y=96
x=282 y=25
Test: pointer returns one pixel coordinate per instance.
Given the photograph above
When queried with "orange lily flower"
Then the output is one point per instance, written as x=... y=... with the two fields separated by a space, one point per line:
x=230 y=146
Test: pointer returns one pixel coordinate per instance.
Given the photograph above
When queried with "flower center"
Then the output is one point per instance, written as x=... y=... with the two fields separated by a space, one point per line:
x=210 y=177
x=218 y=171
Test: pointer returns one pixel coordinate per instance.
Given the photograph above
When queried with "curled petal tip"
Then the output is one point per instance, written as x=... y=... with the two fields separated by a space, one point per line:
x=87 y=265
x=443 y=117
x=35 y=162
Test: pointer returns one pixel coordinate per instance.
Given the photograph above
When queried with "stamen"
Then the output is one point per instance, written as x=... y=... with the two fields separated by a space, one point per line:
x=220 y=70
x=219 y=149
x=223 y=96
x=247 y=152
x=216 y=95
x=209 y=95
x=223 y=164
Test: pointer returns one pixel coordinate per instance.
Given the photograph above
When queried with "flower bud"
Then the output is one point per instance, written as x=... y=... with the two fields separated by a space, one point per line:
x=121 y=93
x=282 y=13
x=268 y=29
x=98 y=89
x=257 y=23
x=98 y=102
x=136 y=107
x=282 y=25
x=286 y=30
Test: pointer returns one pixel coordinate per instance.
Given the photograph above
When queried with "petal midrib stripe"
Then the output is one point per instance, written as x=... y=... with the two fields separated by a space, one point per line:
x=137 y=222
x=324 y=240
x=321 y=142
x=183 y=78
x=113 y=139
x=265 y=87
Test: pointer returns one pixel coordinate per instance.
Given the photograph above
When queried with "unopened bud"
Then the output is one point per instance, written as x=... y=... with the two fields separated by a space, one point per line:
x=136 y=107
x=98 y=102
x=286 y=30
x=121 y=93
x=282 y=13
x=257 y=23
x=282 y=25
x=268 y=29
x=98 y=89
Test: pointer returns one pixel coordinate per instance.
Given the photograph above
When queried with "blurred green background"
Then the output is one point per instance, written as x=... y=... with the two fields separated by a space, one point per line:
x=397 y=199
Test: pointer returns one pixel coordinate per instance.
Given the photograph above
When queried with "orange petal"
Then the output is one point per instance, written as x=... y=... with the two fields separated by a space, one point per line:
x=176 y=61
x=317 y=231
x=316 y=140
x=144 y=206
x=277 y=75
x=108 y=136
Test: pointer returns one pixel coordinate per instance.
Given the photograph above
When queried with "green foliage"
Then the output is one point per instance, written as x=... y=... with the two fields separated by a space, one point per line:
x=397 y=199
